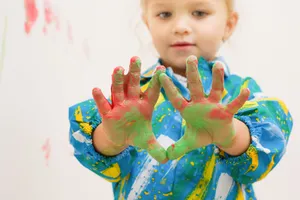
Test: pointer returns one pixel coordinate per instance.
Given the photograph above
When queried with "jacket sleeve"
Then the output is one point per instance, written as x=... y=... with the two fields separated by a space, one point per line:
x=84 y=118
x=270 y=124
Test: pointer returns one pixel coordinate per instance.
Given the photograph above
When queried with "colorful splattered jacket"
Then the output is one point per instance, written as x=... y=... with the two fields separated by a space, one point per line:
x=205 y=173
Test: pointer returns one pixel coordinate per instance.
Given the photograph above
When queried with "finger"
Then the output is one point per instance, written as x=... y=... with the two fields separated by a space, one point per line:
x=117 y=88
x=180 y=148
x=217 y=83
x=193 y=78
x=101 y=102
x=156 y=150
x=153 y=89
x=172 y=92
x=148 y=141
x=238 y=102
x=133 y=86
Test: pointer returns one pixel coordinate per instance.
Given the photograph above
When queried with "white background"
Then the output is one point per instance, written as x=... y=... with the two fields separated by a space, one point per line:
x=45 y=74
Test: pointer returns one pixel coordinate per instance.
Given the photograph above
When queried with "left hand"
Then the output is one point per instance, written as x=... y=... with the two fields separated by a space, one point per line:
x=207 y=120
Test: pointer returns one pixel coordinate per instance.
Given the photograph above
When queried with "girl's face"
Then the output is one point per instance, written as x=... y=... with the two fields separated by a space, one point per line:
x=190 y=27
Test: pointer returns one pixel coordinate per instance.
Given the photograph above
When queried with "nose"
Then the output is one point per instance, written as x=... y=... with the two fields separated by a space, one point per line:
x=181 y=26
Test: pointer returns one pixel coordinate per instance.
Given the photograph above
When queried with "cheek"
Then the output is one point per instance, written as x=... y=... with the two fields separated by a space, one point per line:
x=210 y=37
x=209 y=43
x=212 y=33
x=212 y=28
x=159 y=40
x=158 y=31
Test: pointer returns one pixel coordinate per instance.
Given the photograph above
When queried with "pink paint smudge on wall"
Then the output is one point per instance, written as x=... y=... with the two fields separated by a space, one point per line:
x=47 y=150
x=86 y=48
x=50 y=11
x=50 y=16
x=31 y=13
x=69 y=32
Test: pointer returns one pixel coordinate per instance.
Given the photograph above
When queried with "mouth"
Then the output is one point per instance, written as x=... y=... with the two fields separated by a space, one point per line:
x=182 y=45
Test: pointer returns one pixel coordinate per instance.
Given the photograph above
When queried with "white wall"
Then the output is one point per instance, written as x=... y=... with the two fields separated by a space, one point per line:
x=43 y=75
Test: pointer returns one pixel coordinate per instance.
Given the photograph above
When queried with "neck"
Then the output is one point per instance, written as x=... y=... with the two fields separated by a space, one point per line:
x=179 y=69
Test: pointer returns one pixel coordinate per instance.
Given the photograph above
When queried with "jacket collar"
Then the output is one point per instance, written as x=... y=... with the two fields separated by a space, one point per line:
x=202 y=64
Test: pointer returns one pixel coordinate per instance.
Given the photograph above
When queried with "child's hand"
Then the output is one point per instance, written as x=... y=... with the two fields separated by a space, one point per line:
x=127 y=121
x=207 y=121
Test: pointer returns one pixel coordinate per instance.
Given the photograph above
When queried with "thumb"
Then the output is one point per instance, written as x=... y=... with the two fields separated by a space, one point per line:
x=156 y=150
x=178 y=149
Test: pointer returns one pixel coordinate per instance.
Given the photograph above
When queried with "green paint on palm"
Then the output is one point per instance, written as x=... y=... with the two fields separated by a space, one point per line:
x=141 y=135
x=129 y=122
x=202 y=129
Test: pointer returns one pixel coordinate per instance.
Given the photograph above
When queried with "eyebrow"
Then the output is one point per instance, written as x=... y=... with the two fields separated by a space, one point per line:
x=200 y=3
x=193 y=3
x=159 y=5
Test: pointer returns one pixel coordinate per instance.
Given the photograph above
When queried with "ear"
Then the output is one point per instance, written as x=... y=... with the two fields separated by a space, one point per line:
x=230 y=25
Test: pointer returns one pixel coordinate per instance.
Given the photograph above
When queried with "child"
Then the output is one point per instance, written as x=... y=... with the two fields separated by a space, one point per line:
x=220 y=133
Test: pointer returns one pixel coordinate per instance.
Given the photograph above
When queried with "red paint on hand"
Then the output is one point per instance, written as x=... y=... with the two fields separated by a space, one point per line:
x=133 y=59
x=127 y=120
x=161 y=67
x=191 y=61
x=218 y=113
x=151 y=141
x=130 y=123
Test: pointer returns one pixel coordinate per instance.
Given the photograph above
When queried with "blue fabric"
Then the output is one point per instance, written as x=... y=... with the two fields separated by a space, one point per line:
x=205 y=173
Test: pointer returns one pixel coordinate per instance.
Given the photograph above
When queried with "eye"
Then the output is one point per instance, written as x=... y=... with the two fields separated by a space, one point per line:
x=198 y=13
x=164 y=15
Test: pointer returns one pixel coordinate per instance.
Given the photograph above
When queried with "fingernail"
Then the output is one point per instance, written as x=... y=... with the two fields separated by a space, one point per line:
x=136 y=60
x=218 y=64
x=160 y=69
x=96 y=90
x=246 y=91
x=192 y=59
x=118 y=71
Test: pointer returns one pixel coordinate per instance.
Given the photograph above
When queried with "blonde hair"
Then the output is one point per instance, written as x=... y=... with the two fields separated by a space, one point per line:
x=230 y=5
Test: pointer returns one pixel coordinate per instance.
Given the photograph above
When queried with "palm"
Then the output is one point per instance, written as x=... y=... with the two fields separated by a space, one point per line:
x=201 y=123
x=207 y=121
x=127 y=121
x=129 y=124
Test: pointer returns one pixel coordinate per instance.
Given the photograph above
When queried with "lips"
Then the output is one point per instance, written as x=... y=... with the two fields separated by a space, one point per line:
x=182 y=44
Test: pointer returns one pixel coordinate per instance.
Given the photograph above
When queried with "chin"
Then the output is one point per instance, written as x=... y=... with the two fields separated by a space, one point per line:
x=181 y=62
x=177 y=61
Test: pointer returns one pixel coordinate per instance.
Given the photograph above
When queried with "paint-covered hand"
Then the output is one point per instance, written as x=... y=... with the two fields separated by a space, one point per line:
x=207 y=120
x=127 y=120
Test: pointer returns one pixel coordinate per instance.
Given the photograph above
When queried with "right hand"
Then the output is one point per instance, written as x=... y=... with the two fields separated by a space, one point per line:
x=127 y=121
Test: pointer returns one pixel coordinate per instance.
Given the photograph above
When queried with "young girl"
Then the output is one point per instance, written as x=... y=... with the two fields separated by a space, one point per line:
x=205 y=134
